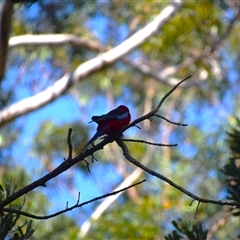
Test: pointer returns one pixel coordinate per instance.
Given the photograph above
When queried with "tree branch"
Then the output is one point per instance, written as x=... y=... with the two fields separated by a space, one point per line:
x=54 y=39
x=156 y=109
x=164 y=75
x=165 y=179
x=174 y=123
x=65 y=165
x=77 y=205
x=149 y=143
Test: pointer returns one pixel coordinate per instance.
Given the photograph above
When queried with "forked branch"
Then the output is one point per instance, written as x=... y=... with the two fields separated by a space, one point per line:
x=131 y=159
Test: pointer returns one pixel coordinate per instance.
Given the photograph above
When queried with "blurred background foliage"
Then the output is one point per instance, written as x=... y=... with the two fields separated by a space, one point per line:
x=202 y=40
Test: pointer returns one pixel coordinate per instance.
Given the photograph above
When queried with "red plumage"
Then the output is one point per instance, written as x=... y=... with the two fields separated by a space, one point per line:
x=110 y=123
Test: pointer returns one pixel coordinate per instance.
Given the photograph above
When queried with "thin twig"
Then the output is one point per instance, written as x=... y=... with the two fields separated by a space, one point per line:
x=175 y=123
x=150 y=143
x=195 y=215
x=87 y=165
x=67 y=209
x=69 y=144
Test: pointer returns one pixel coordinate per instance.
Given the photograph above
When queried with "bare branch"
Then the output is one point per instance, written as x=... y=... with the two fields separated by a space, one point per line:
x=195 y=215
x=174 y=123
x=65 y=165
x=150 y=143
x=35 y=102
x=69 y=144
x=67 y=209
x=63 y=84
x=58 y=170
x=165 y=179
x=155 y=110
x=162 y=76
x=87 y=165
x=54 y=39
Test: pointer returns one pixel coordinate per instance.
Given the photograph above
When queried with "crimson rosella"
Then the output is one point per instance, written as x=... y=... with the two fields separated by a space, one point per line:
x=110 y=123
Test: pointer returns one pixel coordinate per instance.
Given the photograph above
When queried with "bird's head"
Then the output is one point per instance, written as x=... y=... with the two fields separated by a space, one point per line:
x=122 y=108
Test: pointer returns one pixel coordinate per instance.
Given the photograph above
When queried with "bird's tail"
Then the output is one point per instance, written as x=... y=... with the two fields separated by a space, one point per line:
x=94 y=138
x=89 y=143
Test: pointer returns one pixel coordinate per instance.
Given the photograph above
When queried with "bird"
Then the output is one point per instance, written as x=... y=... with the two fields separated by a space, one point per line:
x=110 y=123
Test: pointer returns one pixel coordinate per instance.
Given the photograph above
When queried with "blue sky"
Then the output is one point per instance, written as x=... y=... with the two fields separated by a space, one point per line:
x=66 y=109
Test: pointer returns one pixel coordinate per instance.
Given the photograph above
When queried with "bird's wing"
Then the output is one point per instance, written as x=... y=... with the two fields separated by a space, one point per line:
x=114 y=114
